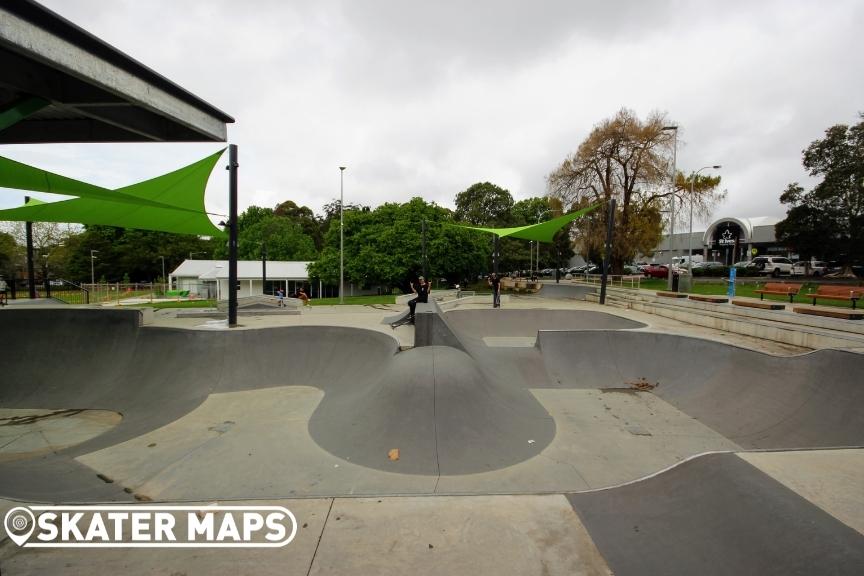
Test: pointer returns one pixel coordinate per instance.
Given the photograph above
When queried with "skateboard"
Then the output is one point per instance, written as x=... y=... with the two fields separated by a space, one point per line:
x=406 y=320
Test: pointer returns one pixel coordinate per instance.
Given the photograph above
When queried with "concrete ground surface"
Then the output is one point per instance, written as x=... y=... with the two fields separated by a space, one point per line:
x=560 y=437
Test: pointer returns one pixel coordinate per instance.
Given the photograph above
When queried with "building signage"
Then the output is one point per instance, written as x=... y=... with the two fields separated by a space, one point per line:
x=727 y=239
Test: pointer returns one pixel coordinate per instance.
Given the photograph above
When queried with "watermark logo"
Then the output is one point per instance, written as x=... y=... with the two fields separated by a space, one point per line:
x=143 y=526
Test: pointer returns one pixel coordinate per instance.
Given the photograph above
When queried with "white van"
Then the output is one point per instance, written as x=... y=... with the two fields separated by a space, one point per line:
x=684 y=260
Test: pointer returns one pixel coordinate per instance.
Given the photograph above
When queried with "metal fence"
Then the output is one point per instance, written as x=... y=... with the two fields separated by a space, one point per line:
x=622 y=281
x=61 y=290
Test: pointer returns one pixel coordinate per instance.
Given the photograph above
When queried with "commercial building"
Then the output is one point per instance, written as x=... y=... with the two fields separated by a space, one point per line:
x=728 y=240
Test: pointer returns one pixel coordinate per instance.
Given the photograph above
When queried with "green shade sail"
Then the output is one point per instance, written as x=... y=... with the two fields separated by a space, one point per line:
x=542 y=232
x=173 y=202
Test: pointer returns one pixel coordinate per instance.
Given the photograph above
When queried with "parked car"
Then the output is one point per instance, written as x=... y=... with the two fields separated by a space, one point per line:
x=817 y=268
x=708 y=265
x=773 y=265
x=656 y=271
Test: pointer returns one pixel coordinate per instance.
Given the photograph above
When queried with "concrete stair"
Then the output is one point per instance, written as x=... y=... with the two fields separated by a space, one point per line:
x=778 y=325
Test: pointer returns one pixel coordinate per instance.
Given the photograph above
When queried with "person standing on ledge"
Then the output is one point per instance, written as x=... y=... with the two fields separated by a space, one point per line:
x=495 y=283
x=422 y=292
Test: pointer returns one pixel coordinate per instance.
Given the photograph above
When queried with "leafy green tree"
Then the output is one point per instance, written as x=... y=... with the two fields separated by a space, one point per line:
x=828 y=221
x=283 y=231
x=305 y=218
x=120 y=253
x=484 y=204
x=629 y=160
x=10 y=253
x=384 y=247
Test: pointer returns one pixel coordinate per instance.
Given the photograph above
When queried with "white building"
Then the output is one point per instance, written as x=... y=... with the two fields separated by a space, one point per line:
x=209 y=278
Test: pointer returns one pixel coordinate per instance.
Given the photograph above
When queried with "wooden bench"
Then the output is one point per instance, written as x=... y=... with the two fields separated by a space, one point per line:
x=829 y=312
x=712 y=299
x=759 y=304
x=851 y=293
x=780 y=288
x=665 y=294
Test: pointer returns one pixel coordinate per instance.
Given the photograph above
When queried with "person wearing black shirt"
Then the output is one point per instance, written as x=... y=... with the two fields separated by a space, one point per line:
x=495 y=283
x=422 y=292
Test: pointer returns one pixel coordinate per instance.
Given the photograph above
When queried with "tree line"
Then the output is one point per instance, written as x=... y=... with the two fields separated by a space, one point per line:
x=623 y=157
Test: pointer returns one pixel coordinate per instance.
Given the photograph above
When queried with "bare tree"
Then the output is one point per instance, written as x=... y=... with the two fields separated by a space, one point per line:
x=629 y=160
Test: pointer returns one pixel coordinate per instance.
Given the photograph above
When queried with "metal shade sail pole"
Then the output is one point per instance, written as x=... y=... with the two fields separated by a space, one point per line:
x=264 y=268
x=31 y=273
x=607 y=253
x=232 y=234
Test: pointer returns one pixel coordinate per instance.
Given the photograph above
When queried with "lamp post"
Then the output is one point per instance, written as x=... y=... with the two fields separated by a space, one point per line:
x=672 y=213
x=341 y=235
x=690 y=238
x=163 y=269
x=540 y=215
x=92 y=268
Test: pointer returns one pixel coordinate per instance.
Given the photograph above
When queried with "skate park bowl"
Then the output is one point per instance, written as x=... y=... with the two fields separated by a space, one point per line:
x=530 y=401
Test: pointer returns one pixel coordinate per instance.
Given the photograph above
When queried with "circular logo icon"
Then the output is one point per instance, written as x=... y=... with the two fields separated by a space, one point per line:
x=19 y=523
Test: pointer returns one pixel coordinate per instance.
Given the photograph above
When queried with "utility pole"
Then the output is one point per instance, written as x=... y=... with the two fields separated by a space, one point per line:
x=341 y=235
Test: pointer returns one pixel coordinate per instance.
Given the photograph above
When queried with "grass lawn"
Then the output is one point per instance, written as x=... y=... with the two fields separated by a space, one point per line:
x=361 y=300
x=749 y=291
x=184 y=304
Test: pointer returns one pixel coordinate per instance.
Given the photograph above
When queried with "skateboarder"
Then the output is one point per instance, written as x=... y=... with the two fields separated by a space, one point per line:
x=422 y=292
x=281 y=296
x=495 y=283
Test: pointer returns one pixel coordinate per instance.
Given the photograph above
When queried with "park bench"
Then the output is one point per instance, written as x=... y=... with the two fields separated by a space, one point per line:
x=831 y=312
x=759 y=304
x=780 y=288
x=665 y=294
x=851 y=293
x=707 y=298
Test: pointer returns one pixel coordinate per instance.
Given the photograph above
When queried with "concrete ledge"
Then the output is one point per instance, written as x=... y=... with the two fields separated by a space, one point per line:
x=844 y=313
x=761 y=304
x=664 y=294
x=430 y=328
x=705 y=298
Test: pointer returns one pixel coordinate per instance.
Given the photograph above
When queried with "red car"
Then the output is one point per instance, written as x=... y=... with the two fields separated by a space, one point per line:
x=656 y=271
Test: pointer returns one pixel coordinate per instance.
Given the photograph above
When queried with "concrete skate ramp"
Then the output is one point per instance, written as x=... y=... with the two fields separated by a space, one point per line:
x=754 y=399
x=434 y=406
x=713 y=516
x=565 y=291
x=102 y=359
x=504 y=322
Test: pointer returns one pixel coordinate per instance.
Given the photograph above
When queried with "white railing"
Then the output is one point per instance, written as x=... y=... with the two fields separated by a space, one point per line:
x=619 y=280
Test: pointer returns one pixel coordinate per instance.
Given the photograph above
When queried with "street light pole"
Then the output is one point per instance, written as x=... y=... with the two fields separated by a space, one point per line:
x=672 y=213
x=341 y=235
x=92 y=268
x=163 y=268
x=537 y=260
x=690 y=237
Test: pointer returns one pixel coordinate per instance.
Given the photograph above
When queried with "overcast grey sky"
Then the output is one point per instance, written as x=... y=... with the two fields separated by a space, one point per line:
x=424 y=98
